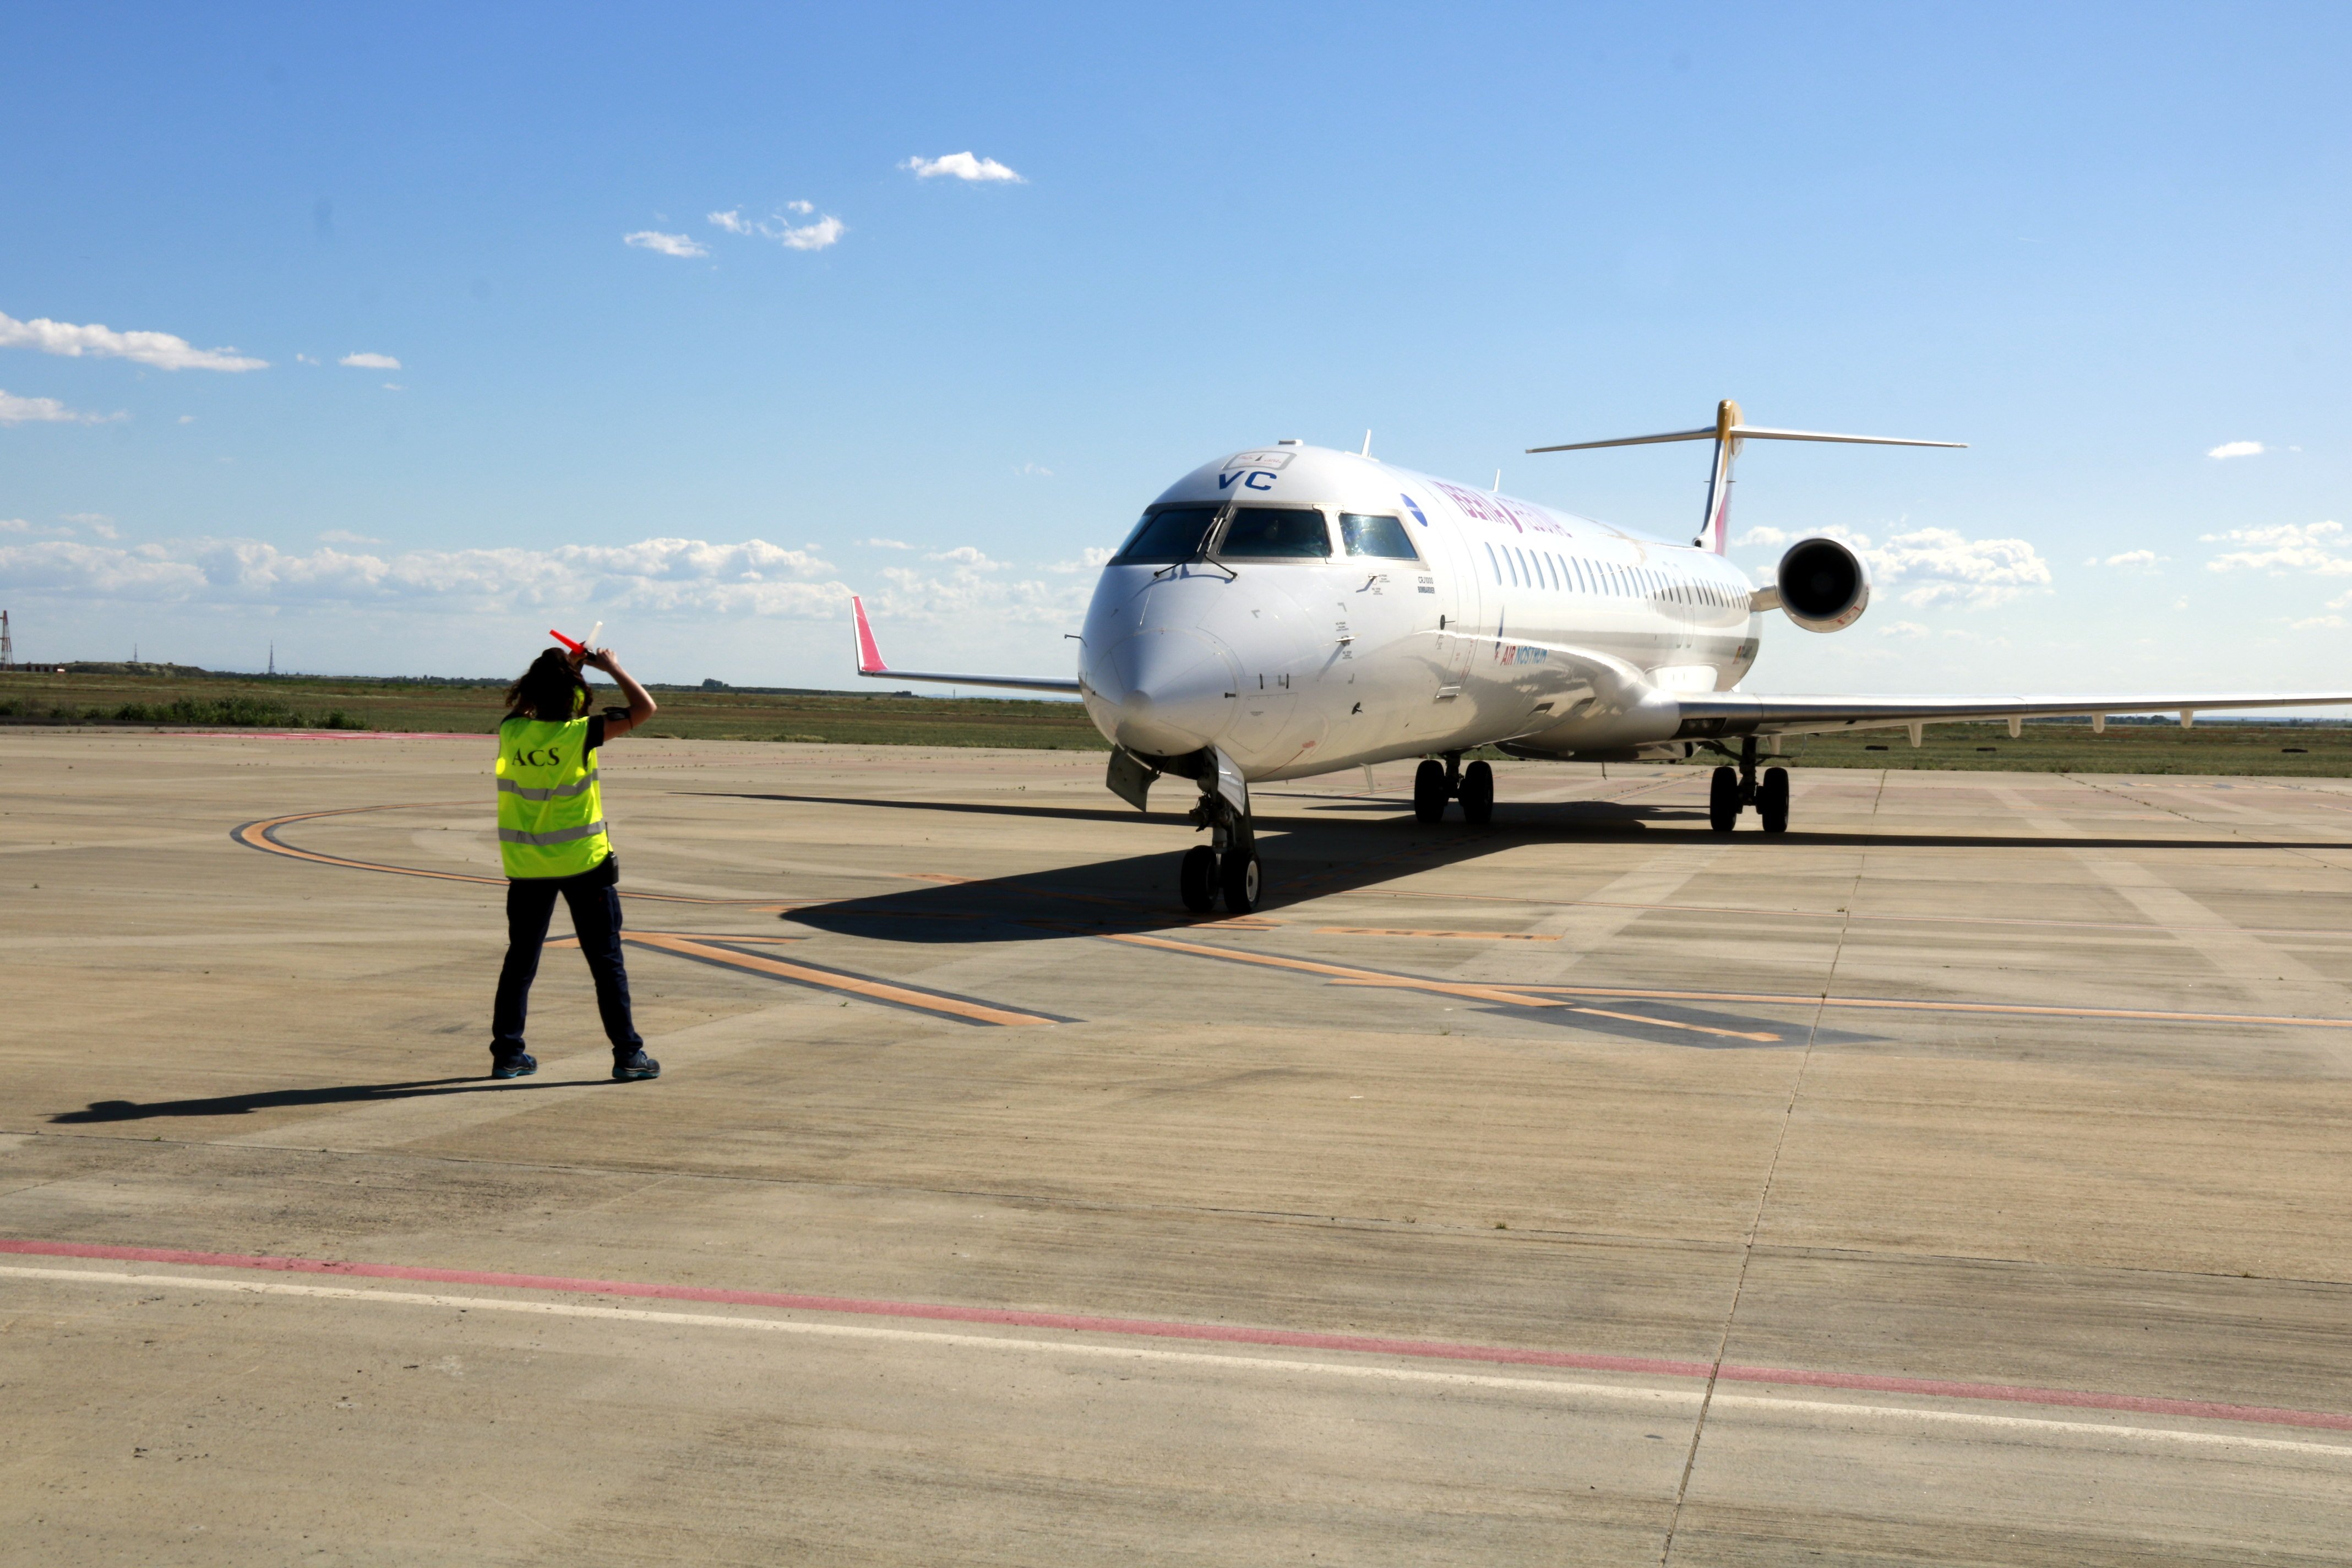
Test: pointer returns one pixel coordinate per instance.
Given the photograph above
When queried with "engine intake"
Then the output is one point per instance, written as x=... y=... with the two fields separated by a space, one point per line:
x=1823 y=586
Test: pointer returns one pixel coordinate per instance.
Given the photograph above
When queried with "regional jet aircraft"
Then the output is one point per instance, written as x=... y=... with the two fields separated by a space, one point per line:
x=1292 y=610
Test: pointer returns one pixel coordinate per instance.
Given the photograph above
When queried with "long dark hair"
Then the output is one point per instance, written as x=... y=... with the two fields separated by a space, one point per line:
x=550 y=690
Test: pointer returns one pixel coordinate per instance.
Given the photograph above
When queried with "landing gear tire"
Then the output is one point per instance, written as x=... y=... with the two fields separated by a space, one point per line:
x=1196 y=878
x=1477 y=794
x=1723 y=799
x=1240 y=875
x=1773 y=800
x=1429 y=790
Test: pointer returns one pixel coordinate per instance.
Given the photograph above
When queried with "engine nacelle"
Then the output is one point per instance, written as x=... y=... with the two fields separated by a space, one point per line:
x=1823 y=584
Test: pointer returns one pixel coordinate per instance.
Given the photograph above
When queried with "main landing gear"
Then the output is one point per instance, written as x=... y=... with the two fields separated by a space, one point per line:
x=1435 y=784
x=1732 y=789
x=1227 y=865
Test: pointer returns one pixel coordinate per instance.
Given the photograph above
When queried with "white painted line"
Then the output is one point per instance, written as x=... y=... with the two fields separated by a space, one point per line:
x=1612 y=1393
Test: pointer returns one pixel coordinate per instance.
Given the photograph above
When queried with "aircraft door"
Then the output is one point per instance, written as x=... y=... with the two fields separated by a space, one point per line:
x=1461 y=601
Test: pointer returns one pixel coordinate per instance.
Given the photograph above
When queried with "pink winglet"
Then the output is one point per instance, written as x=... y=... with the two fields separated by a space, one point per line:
x=869 y=657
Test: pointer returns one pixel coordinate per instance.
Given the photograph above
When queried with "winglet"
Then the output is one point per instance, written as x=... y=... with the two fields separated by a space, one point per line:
x=869 y=657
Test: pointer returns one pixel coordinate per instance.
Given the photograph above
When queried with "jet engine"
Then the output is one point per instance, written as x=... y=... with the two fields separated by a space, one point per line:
x=1823 y=584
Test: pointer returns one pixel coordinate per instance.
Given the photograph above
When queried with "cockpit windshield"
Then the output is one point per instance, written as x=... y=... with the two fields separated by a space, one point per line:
x=1266 y=531
x=1383 y=537
x=1171 y=533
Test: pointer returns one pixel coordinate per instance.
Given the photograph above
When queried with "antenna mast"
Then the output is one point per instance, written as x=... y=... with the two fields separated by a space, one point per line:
x=8 y=644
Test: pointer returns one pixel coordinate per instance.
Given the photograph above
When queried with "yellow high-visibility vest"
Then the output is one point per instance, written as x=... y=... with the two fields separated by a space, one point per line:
x=551 y=815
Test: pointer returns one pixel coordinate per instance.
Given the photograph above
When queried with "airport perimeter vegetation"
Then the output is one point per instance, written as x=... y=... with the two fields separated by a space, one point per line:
x=124 y=695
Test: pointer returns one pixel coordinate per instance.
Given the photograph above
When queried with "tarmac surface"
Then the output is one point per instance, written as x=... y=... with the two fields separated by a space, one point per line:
x=1962 y=1177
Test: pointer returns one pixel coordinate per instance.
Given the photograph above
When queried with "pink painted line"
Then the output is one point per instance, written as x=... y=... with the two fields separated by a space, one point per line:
x=1147 y=1328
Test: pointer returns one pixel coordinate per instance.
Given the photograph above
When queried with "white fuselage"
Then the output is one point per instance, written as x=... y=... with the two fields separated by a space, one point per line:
x=1516 y=623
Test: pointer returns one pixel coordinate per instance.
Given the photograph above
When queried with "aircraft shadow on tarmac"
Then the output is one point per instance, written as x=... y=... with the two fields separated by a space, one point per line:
x=104 y=1110
x=1334 y=847
x=1306 y=855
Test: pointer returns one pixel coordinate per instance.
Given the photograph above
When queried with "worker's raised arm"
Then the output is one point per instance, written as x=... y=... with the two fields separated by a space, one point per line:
x=641 y=701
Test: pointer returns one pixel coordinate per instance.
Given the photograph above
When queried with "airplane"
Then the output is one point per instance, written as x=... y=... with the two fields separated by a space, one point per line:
x=1294 y=610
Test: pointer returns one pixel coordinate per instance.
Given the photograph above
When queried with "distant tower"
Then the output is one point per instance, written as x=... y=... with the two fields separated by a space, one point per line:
x=8 y=644
x=273 y=656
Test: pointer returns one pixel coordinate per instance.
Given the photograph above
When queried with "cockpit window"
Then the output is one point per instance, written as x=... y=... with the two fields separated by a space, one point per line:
x=1276 y=531
x=1380 y=536
x=1171 y=533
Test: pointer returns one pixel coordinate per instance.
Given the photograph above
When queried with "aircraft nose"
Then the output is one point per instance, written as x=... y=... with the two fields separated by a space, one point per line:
x=1166 y=690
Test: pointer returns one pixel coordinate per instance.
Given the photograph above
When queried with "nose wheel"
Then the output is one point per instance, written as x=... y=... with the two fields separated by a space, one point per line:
x=1226 y=867
x=1436 y=782
x=1732 y=790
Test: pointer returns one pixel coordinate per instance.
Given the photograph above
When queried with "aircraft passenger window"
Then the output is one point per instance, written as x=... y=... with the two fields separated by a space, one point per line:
x=1383 y=537
x=1172 y=533
x=1551 y=564
x=1493 y=565
x=1275 y=532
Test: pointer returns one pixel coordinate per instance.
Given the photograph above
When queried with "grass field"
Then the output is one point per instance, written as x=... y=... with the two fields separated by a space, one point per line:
x=308 y=702
x=183 y=698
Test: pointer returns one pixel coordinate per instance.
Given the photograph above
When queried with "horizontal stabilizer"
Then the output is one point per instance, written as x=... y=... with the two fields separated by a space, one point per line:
x=1746 y=433
x=870 y=665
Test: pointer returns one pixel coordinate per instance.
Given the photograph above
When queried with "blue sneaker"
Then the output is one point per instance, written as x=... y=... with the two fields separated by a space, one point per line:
x=634 y=1065
x=522 y=1064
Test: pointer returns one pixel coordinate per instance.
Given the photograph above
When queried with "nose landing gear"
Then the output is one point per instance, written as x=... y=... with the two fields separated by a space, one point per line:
x=1228 y=864
x=1435 y=784
x=1732 y=789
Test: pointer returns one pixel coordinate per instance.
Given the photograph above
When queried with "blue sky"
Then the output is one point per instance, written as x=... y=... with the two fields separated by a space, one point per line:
x=2098 y=243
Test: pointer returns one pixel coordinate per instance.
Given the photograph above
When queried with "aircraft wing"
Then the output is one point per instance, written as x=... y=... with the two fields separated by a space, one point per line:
x=870 y=665
x=1714 y=713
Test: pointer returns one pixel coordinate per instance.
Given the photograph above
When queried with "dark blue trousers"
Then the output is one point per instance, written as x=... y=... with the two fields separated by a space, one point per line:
x=595 y=902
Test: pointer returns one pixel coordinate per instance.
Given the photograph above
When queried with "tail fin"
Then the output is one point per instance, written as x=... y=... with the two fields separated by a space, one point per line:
x=869 y=654
x=1728 y=432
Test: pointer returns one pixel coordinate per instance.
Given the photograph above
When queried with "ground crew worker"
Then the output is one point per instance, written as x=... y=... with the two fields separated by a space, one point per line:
x=552 y=840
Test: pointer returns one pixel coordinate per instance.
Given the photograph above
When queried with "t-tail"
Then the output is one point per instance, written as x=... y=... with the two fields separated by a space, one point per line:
x=1728 y=432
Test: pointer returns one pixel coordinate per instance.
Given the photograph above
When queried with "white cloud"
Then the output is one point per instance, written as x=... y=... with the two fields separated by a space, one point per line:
x=394 y=386
x=16 y=410
x=1036 y=470
x=304 y=359
x=98 y=522
x=2318 y=622
x=1091 y=558
x=1761 y=537
x=2306 y=548
x=667 y=244
x=813 y=236
x=783 y=230
x=653 y=576
x=966 y=596
x=2238 y=449
x=886 y=543
x=370 y=361
x=345 y=536
x=968 y=558
x=962 y=166
x=188 y=419
x=2130 y=558
x=14 y=525
x=161 y=349
x=1905 y=629
x=1944 y=567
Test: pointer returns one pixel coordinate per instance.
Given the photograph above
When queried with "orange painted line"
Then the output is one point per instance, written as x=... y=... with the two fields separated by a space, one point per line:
x=1903 y=1005
x=690 y=936
x=262 y=836
x=1451 y=936
x=1845 y=915
x=1601 y=1012
x=1334 y=971
x=932 y=1002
